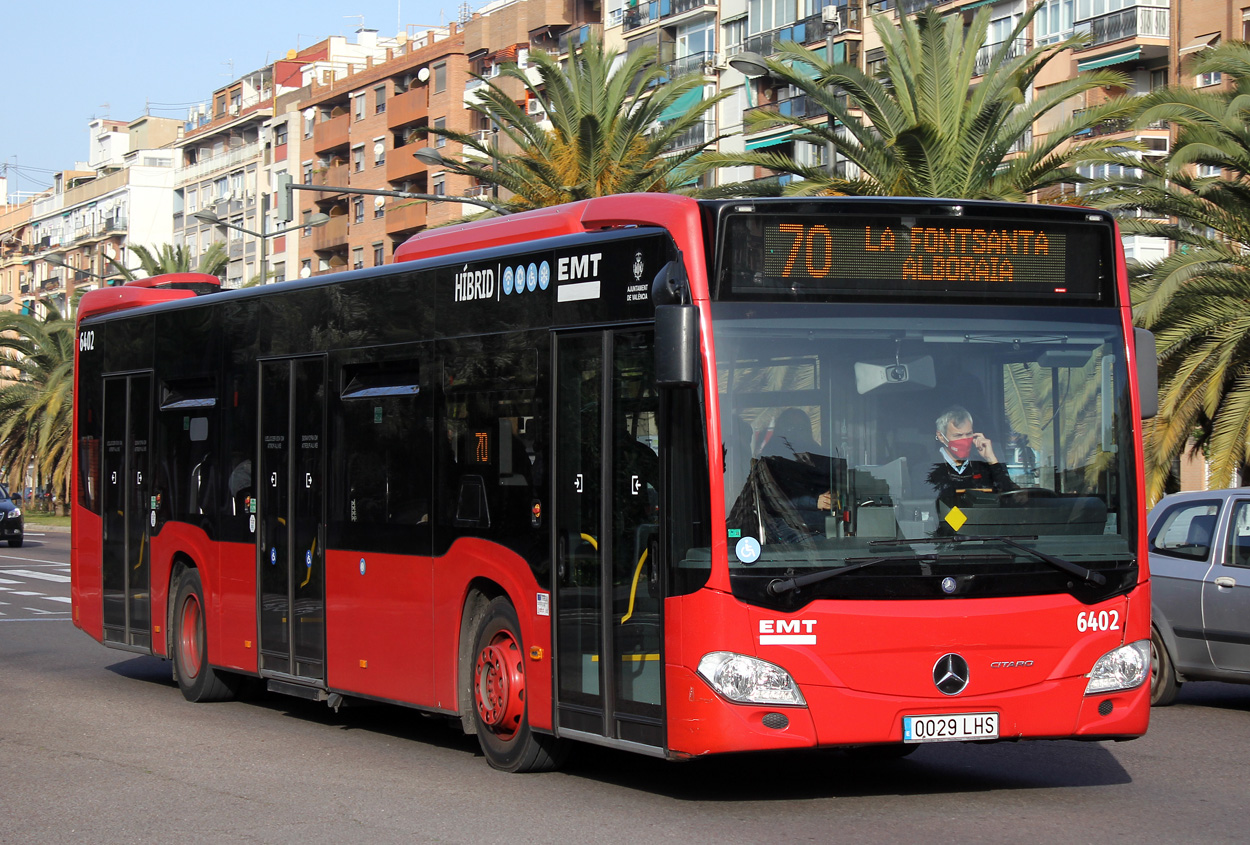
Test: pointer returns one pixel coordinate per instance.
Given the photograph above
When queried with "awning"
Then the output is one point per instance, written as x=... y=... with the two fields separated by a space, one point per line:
x=1109 y=60
x=682 y=104
x=1202 y=42
x=782 y=137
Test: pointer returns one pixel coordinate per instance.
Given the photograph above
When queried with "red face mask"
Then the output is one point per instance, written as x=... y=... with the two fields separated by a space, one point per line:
x=959 y=448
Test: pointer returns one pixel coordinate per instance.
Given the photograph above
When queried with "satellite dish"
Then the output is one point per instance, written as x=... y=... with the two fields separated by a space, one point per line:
x=305 y=272
x=310 y=113
x=424 y=74
x=378 y=149
x=378 y=202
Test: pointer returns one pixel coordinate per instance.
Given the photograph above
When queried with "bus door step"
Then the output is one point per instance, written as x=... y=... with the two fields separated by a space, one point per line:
x=297 y=690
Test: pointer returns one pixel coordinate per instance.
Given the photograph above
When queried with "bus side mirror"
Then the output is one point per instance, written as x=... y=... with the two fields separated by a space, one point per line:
x=676 y=346
x=1147 y=372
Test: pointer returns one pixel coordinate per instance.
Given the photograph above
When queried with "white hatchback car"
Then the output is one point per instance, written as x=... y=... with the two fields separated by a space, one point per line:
x=1200 y=589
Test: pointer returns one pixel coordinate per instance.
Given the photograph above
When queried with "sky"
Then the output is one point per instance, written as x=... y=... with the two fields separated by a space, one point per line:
x=71 y=61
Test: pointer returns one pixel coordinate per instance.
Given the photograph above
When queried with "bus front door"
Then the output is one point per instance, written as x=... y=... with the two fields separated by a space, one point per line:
x=129 y=511
x=290 y=541
x=607 y=599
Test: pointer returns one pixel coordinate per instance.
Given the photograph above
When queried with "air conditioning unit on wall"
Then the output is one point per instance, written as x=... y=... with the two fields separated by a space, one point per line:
x=534 y=107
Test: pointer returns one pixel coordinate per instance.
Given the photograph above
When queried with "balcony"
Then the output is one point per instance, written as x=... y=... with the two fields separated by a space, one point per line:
x=694 y=63
x=805 y=31
x=695 y=136
x=797 y=107
x=408 y=107
x=658 y=10
x=332 y=235
x=579 y=35
x=405 y=218
x=331 y=134
x=1137 y=22
x=985 y=55
x=401 y=164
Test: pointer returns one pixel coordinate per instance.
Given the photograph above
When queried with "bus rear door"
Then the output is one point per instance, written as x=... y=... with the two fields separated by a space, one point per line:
x=129 y=511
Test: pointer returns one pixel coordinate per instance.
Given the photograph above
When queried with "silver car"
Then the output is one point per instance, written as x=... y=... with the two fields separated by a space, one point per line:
x=1200 y=589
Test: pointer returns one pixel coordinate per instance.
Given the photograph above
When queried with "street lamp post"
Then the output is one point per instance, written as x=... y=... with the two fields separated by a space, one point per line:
x=832 y=20
x=58 y=261
x=213 y=220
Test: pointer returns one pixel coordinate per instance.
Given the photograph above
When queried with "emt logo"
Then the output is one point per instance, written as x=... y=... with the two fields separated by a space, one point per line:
x=787 y=632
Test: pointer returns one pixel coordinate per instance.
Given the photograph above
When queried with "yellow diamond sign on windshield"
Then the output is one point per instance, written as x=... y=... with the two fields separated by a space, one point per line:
x=956 y=519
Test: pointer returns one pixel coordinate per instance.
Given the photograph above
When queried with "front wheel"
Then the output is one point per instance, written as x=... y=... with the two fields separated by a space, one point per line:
x=197 y=680
x=15 y=544
x=1163 y=683
x=499 y=699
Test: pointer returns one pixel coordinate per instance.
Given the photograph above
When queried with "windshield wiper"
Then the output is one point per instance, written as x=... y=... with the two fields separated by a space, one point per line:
x=781 y=586
x=1087 y=575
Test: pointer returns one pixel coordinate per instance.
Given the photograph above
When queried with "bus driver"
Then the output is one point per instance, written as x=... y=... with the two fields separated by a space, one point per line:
x=958 y=472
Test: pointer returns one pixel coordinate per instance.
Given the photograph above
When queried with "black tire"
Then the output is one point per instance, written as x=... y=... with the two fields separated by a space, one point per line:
x=15 y=544
x=196 y=678
x=497 y=696
x=1163 y=683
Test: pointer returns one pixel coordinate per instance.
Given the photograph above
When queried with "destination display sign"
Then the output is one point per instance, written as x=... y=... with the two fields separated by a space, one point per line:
x=942 y=256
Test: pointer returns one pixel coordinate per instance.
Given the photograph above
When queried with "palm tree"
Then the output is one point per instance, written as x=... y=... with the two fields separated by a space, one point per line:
x=1194 y=300
x=608 y=132
x=36 y=397
x=171 y=259
x=926 y=126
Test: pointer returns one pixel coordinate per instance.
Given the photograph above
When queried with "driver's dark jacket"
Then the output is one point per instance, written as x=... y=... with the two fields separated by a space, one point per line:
x=977 y=475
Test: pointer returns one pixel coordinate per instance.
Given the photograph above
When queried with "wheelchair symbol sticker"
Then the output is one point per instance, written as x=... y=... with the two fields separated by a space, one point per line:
x=748 y=550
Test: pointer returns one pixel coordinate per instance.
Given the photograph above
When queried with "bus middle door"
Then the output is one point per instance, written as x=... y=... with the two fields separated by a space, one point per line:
x=290 y=541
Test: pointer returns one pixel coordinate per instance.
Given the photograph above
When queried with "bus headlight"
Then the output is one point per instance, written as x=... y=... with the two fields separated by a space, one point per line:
x=748 y=680
x=1123 y=668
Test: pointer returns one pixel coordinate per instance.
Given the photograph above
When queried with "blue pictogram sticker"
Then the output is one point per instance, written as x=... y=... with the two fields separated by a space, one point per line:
x=748 y=550
x=507 y=281
x=273 y=556
x=544 y=275
x=531 y=278
x=308 y=559
x=519 y=284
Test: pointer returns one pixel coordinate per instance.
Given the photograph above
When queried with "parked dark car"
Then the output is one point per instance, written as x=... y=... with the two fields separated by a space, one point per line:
x=11 y=521
x=1200 y=589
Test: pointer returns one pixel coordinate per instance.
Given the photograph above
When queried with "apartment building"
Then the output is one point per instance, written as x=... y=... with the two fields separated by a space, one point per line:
x=16 y=251
x=359 y=130
x=222 y=165
x=123 y=196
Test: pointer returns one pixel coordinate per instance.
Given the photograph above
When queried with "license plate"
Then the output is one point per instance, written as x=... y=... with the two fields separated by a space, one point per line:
x=947 y=727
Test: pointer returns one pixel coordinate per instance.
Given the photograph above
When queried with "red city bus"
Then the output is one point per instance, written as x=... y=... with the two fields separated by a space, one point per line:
x=680 y=477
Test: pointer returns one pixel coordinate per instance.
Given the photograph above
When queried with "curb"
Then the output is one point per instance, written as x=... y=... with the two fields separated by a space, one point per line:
x=51 y=529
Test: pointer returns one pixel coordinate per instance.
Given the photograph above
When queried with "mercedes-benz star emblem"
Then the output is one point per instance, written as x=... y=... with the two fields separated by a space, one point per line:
x=949 y=585
x=950 y=674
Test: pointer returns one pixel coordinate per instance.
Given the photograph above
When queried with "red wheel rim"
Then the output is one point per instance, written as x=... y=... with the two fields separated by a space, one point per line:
x=191 y=637
x=499 y=685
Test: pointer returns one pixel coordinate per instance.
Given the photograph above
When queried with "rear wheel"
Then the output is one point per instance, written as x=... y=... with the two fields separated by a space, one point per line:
x=1163 y=683
x=499 y=697
x=197 y=680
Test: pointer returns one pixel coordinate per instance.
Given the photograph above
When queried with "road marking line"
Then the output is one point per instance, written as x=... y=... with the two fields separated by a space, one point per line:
x=61 y=599
x=32 y=560
x=42 y=576
x=25 y=593
x=7 y=581
x=61 y=618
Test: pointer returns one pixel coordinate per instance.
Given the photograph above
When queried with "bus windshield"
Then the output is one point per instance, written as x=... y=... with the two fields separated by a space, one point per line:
x=927 y=450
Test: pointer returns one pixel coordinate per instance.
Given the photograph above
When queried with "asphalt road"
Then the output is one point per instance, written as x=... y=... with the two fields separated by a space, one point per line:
x=98 y=745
